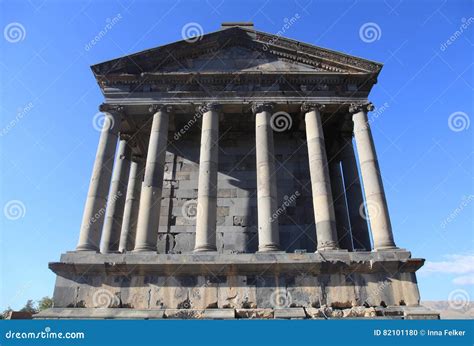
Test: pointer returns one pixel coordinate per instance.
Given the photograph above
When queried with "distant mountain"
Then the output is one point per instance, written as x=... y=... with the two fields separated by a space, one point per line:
x=451 y=310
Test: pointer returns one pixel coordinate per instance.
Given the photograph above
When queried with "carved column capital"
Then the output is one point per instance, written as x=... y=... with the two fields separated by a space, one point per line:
x=258 y=107
x=361 y=107
x=209 y=106
x=138 y=158
x=310 y=106
x=112 y=109
x=154 y=108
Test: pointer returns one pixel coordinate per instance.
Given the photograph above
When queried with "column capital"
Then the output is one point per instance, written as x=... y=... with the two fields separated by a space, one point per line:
x=137 y=158
x=155 y=108
x=258 y=107
x=112 y=109
x=361 y=107
x=126 y=136
x=311 y=106
x=209 y=106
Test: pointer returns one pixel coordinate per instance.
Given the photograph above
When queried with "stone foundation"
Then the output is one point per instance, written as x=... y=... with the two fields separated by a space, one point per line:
x=333 y=284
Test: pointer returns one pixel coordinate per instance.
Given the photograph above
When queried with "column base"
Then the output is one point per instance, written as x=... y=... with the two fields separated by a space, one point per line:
x=390 y=248
x=330 y=248
x=87 y=248
x=145 y=249
x=269 y=248
x=205 y=248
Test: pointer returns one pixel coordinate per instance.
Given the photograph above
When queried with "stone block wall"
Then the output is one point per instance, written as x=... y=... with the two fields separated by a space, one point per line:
x=237 y=195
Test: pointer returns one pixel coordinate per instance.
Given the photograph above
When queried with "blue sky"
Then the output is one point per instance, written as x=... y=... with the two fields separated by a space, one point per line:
x=49 y=97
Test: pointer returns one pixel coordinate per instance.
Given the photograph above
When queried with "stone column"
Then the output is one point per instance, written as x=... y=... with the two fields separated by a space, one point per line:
x=376 y=203
x=116 y=200
x=150 y=198
x=94 y=210
x=132 y=199
x=320 y=182
x=355 y=200
x=343 y=227
x=268 y=237
x=207 y=186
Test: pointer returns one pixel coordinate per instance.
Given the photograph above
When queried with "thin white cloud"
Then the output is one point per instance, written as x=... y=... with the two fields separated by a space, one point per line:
x=462 y=265
x=464 y=280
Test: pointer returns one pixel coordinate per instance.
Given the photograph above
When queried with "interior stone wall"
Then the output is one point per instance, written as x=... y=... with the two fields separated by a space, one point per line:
x=237 y=196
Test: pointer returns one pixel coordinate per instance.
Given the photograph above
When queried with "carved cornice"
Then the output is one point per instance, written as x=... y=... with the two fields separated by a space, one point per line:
x=258 y=107
x=361 y=107
x=318 y=52
x=310 y=106
x=155 y=108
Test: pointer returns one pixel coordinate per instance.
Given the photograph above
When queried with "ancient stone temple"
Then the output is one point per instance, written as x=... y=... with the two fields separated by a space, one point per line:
x=236 y=177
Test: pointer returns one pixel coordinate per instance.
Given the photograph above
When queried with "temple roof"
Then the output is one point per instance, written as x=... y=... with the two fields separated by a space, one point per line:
x=235 y=49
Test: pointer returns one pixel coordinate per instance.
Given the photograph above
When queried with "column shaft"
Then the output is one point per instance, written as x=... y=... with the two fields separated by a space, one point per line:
x=320 y=182
x=116 y=200
x=376 y=203
x=355 y=199
x=132 y=200
x=207 y=189
x=94 y=210
x=268 y=237
x=340 y=207
x=150 y=197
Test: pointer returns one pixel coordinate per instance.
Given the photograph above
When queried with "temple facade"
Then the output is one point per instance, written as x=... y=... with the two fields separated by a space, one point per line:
x=236 y=177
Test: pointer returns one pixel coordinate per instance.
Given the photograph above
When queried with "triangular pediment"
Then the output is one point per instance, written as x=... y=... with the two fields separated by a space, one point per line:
x=236 y=49
x=237 y=58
